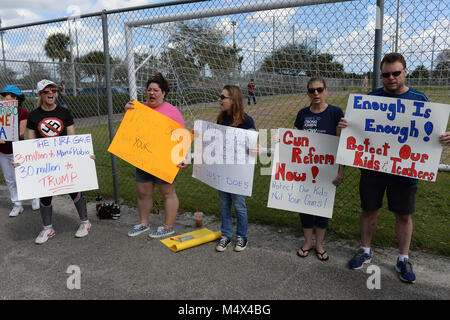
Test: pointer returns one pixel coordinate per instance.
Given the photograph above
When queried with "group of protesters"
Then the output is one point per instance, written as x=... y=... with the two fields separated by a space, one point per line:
x=319 y=117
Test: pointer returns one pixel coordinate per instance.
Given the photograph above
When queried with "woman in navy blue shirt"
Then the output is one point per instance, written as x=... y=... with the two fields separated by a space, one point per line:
x=319 y=117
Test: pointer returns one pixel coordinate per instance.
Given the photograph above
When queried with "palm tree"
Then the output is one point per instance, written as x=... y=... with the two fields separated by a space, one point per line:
x=93 y=65
x=56 y=48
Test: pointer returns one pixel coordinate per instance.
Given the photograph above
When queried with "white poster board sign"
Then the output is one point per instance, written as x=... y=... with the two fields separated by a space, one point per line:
x=395 y=136
x=54 y=166
x=302 y=173
x=221 y=158
x=9 y=120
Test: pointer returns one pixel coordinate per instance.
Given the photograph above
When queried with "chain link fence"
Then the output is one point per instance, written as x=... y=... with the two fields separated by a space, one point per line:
x=279 y=44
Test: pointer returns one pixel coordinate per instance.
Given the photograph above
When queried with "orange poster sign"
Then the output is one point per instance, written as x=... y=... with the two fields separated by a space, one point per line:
x=151 y=142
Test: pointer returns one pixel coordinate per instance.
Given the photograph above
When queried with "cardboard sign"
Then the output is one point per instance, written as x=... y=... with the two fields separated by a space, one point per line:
x=303 y=170
x=221 y=158
x=395 y=136
x=53 y=166
x=151 y=142
x=9 y=120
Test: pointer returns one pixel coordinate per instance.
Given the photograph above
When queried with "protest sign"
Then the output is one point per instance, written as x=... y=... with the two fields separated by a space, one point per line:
x=53 y=166
x=303 y=170
x=9 y=120
x=151 y=141
x=394 y=136
x=221 y=157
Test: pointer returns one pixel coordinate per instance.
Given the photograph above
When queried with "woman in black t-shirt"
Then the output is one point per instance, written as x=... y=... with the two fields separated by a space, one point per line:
x=319 y=117
x=47 y=121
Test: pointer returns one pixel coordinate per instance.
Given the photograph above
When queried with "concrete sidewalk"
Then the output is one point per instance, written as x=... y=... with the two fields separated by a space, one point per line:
x=115 y=266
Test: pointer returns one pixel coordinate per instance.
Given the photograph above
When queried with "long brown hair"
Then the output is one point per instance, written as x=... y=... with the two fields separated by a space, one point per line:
x=237 y=106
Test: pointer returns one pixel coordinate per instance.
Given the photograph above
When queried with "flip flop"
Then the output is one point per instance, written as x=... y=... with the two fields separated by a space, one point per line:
x=319 y=255
x=303 y=252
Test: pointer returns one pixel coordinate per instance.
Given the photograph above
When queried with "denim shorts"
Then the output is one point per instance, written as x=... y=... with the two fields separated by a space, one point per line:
x=143 y=177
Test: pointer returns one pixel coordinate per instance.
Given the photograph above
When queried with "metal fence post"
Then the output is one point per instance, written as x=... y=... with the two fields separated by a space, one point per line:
x=378 y=44
x=3 y=47
x=109 y=101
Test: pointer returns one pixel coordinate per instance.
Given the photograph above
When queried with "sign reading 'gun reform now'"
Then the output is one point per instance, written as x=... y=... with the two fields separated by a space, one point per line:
x=302 y=173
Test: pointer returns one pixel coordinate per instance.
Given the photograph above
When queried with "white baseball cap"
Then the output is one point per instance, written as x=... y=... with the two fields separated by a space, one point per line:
x=43 y=83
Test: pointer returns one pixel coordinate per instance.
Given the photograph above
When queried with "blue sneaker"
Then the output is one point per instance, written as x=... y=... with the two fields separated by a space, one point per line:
x=138 y=229
x=359 y=259
x=405 y=271
x=161 y=232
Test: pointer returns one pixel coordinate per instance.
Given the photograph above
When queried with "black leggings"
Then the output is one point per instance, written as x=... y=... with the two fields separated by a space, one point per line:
x=47 y=201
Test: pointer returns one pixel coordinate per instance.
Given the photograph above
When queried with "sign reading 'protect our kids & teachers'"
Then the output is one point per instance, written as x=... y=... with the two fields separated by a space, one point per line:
x=394 y=136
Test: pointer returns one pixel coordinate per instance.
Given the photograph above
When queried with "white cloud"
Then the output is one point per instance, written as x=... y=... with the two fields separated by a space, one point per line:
x=116 y=4
x=17 y=12
x=12 y=17
x=282 y=17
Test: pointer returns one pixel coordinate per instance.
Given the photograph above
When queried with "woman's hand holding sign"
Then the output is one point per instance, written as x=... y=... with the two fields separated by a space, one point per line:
x=129 y=105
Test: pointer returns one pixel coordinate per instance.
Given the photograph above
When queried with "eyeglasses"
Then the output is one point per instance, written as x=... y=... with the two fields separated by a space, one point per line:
x=319 y=90
x=52 y=90
x=388 y=74
x=222 y=97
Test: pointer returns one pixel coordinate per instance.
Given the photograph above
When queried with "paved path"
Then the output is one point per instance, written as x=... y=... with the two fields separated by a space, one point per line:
x=114 y=266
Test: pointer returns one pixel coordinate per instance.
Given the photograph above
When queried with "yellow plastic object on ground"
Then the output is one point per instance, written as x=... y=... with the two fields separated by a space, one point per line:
x=200 y=237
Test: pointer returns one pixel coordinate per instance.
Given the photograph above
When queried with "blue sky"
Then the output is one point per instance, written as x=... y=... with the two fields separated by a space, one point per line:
x=13 y=12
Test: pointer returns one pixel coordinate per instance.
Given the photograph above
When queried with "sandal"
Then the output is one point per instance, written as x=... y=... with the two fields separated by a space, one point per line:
x=319 y=255
x=305 y=252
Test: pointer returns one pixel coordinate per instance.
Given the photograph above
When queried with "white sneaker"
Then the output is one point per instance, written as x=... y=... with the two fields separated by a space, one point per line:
x=83 y=230
x=16 y=211
x=44 y=236
x=35 y=204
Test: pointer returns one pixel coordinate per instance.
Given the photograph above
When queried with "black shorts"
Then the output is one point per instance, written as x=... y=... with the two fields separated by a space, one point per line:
x=401 y=196
x=143 y=177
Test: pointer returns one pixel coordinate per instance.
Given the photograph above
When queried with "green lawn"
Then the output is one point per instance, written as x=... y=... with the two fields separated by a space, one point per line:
x=431 y=220
x=432 y=217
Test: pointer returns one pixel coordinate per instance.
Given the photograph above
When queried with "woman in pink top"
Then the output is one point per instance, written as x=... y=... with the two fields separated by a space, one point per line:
x=157 y=89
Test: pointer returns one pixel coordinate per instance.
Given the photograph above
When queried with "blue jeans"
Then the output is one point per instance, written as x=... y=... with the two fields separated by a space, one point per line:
x=227 y=219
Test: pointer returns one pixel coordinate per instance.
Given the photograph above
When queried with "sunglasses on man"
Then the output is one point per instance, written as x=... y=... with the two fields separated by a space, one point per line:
x=319 y=90
x=388 y=74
